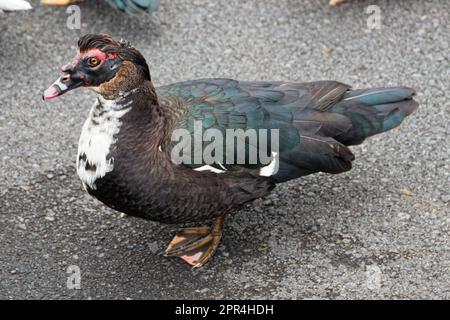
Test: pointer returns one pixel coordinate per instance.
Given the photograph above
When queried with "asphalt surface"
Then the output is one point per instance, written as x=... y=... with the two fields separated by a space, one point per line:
x=378 y=231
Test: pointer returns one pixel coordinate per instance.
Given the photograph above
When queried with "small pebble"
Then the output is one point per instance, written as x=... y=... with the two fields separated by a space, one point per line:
x=406 y=192
x=403 y=216
x=22 y=226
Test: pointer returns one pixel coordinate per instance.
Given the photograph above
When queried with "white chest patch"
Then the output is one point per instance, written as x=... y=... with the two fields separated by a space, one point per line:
x=97 y=136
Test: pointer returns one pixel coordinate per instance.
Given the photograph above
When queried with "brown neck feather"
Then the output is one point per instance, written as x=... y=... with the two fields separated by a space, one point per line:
x=149 y=124
x=128 y=78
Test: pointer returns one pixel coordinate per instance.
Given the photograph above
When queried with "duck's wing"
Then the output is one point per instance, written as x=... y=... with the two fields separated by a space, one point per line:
x=315 y=121
x=294 y=110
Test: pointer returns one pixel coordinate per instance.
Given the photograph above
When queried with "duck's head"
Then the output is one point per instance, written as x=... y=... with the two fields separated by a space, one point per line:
x=111 y=68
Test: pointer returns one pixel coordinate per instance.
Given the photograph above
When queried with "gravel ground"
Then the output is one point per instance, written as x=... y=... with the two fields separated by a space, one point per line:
x=378 y=231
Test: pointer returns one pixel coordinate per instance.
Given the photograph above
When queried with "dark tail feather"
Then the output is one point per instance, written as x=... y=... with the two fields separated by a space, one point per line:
x=373 y=111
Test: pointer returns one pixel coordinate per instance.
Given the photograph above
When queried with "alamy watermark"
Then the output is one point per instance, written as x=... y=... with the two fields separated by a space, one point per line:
x=234 y=146
x=74 y=277
x=74 y=19
x=373 y=277
x=374 y=19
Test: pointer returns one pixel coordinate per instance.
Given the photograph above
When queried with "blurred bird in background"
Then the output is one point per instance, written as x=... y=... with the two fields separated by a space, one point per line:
x=14 y=5
x=336 y=2
x=131 y=7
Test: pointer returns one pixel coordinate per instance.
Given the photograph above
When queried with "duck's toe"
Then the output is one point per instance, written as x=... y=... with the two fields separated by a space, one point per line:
x=196 y=245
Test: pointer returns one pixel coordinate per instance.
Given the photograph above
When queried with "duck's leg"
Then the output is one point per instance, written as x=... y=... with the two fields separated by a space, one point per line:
x=58 y=2
x=197 y=245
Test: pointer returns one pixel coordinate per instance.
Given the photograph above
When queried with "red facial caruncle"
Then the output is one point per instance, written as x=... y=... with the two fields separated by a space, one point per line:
x=86 y=69
x=93 y=53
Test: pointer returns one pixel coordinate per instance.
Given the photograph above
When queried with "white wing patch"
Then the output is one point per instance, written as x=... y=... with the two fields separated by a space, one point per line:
x=97 y=136
x=210 y=168
x=271 y=168
x=267 y=171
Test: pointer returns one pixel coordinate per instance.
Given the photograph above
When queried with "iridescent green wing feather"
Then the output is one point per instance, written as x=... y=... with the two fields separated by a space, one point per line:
x=315 y=120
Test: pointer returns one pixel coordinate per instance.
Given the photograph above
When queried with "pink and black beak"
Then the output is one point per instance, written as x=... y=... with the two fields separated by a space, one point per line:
x=69 y=81
x=87 y=69
x=61 y=86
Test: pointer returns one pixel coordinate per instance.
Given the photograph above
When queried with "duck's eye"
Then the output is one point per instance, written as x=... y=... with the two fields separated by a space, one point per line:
x=93 y=62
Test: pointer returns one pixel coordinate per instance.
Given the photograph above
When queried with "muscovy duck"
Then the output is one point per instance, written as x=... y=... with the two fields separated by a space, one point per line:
x=124 y=154
x=132 y=7
x=14 y=5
